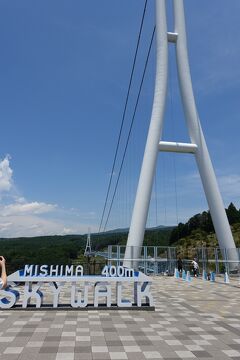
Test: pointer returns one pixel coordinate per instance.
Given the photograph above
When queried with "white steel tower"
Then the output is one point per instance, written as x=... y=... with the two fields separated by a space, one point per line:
x=197 y=146
x=88 y=248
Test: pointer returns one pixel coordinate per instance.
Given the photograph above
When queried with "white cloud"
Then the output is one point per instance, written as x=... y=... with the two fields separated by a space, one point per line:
x=230 y=186
x=20 y=200
x=34 y=225
x=5 y=175
x=20 y=217
x=67 y=231
x=27 y=208
x=27 y=225
x=5 y=225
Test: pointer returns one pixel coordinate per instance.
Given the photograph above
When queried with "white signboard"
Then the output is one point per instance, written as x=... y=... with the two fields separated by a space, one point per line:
x=102 y=286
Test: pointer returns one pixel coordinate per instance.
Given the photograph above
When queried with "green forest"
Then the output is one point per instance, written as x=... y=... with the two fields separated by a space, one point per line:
x=199 y=231
x=69 y=249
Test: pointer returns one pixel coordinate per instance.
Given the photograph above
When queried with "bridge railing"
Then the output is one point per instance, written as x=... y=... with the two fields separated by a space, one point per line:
x=150 y=259
x=163 y=260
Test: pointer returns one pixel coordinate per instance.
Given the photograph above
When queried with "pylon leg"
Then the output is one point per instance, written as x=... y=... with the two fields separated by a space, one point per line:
x=205 y=167
x=143 y=196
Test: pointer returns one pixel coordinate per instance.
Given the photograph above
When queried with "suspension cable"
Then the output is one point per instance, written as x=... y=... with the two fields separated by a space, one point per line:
x=131 y=126
x=123 y=115
x=173 y=133
x=156 y=195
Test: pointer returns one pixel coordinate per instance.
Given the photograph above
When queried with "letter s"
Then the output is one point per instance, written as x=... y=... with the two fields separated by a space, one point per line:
x=8 y=298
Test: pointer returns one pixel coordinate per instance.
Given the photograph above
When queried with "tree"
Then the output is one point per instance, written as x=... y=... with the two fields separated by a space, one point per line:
x=233 y=214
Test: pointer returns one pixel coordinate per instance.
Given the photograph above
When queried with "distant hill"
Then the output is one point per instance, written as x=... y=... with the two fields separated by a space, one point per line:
x=114 y=231
x=158 y=236
x=41 y=250
x=199 y=231
x=68 y=248
x=196 y=232
x=126 y=230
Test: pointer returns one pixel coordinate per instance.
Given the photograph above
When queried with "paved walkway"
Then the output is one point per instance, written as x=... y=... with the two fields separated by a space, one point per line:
x=192 y=320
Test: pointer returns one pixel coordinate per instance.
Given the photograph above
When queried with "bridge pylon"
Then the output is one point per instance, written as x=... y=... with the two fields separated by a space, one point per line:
x=154 y=145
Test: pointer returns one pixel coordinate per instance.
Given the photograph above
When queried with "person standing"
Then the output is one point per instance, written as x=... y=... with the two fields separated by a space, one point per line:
x=180 y=264
x=3 y=278
x=195 y=267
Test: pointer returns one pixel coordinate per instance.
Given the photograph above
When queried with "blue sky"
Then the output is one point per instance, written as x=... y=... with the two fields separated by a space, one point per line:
x=64 y=70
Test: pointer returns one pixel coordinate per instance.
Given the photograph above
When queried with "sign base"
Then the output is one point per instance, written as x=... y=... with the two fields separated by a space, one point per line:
x=32 y=307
